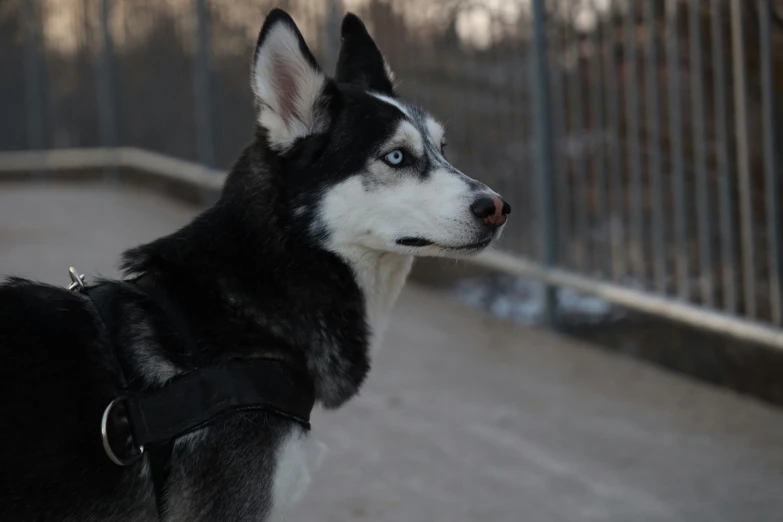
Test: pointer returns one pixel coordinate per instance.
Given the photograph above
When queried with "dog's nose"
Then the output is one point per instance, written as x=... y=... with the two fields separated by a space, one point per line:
x=492 y=210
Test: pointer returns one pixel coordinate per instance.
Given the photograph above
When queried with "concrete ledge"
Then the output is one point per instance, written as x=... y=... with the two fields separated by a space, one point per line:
x=62 y=163
x=175 y=177
x=57 y=162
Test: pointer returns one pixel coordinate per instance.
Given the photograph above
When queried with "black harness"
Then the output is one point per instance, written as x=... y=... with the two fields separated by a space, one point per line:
x=192 y=400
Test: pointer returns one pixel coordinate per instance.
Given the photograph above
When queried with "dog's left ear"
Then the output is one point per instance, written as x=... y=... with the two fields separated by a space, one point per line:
x=361 y=62
x=288 y=83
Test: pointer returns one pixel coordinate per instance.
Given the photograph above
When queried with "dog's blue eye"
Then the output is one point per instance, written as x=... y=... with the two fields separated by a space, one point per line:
x=395 y=158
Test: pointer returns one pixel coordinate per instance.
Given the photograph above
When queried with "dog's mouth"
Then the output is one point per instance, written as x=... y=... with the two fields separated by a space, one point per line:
x=416 y=242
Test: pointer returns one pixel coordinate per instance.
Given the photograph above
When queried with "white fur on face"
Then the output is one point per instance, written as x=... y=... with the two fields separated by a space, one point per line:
x=287 y=87
x=375 y=208
x=406 y=136
x=435 y=131
x=367 y=213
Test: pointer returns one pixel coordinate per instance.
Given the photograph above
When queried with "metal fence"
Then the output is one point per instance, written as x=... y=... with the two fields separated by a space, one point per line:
x=636 y=139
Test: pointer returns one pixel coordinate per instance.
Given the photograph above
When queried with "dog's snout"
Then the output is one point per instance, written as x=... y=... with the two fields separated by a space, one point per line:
x=491 y=210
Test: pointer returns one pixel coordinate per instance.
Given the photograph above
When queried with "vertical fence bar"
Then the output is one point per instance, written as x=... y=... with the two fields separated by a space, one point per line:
x=770 y=161
x=653 y=142
x=619 y=269
x=702 y=188
x=728 y=261
x=673 y=66
x=632 y=110
x=494 y=98
x=332 y=39
x=521 y=123
x=580 y=195
x=513 y=121
x=48 y=97
x=560 y=130
x=107 y=104
x=597 y=133
x=202 y=87
x=32 y=76
x=743 y=161
x=541 y=104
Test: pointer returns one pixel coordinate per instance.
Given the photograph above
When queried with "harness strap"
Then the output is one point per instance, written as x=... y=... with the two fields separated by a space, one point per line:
x=193 y=399
x=196 y=398
x=159 y=456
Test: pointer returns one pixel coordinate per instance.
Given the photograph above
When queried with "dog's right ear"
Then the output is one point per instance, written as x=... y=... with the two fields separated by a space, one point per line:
x=287 y=82
x=361 y=62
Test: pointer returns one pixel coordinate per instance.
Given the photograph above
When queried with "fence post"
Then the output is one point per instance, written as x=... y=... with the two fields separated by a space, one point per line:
x=542 y=115
x=747 y=242
x=202 y=92
x=332 y=36
x=771 y=167
x=108 y=102
x=32 y=76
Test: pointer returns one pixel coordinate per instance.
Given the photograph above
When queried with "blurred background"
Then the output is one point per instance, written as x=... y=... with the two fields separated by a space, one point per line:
x=636 y=140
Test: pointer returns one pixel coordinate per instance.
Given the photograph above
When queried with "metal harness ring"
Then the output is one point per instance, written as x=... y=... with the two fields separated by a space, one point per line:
x=105 y=436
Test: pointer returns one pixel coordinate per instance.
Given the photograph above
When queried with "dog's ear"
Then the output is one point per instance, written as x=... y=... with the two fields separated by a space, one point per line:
x=361 y=62
x=287 y=82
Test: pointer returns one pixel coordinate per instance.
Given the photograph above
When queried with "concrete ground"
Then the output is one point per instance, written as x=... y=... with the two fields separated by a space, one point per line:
x=465 y=418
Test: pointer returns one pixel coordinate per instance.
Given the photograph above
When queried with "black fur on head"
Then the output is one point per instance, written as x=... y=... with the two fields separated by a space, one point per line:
x=361 y=62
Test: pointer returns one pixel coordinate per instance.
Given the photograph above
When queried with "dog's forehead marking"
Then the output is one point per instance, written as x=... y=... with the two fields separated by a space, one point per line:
x=394 y=103
x=420 y=125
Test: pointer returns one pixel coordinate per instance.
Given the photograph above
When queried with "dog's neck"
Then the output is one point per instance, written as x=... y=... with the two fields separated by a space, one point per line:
x=381 y=276
x=231 y=273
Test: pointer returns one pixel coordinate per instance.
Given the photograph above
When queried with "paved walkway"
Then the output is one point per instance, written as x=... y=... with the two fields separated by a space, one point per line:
x=465 y=418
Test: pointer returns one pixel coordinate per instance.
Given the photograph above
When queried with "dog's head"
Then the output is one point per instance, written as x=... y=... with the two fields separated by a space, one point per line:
x=363 y=169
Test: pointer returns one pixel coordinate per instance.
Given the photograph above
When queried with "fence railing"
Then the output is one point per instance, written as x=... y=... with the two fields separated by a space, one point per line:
x=637 y=140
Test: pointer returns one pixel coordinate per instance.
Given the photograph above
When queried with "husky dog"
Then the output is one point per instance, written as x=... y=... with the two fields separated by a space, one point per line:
x=300 y=261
